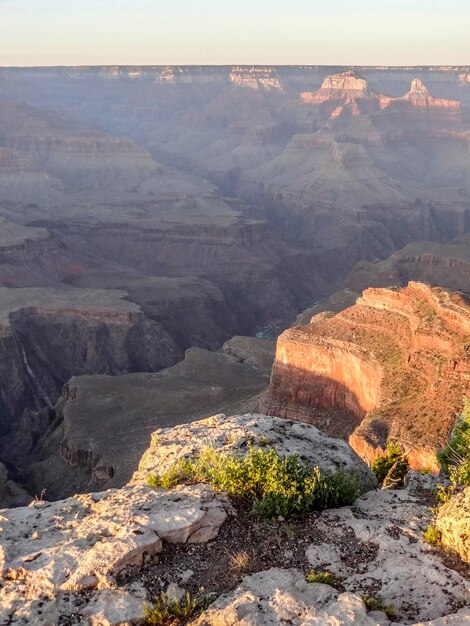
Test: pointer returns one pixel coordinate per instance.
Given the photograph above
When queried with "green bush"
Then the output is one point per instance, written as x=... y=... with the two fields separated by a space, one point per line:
x=377 y=604
x=432 y=535
x=276 y=485
x=166 y=612
x=391 y=467
x=325 y=578
x=454 y=459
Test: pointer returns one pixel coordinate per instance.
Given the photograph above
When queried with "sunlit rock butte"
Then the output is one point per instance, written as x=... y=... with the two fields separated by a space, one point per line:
x=394 y=367
x=339 y=87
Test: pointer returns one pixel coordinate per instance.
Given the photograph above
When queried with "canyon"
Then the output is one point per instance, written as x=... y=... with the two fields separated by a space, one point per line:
x=269 y=258
x=203 y=203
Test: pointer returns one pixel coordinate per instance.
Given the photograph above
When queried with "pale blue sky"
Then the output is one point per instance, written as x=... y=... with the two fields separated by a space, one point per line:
x=346 y=32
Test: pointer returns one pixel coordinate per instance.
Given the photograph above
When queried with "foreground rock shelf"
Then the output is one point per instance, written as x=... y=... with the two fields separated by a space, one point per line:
x=88 y=559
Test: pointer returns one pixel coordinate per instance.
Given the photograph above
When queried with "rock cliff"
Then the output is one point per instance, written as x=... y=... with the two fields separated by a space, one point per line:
x=443 y=264
x=394 y=367
x=264 y=78
x=102 y=424
x=348 y=87
x=46 y=335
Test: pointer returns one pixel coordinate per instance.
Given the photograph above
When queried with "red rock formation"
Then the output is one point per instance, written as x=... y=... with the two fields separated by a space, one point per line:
x=354 y=93
x=394 y=367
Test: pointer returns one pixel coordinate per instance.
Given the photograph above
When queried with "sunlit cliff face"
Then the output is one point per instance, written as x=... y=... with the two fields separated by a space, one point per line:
x=397 y=361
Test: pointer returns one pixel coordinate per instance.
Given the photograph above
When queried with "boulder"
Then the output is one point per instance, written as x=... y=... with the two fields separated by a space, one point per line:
x=237 y=432
x=86 y=542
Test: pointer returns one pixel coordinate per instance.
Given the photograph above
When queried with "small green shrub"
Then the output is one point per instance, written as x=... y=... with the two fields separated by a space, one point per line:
x=276 y=485
x=321 y=577
x=391 y=467
x=431 y=535
x=454 y=459
x=166 y=612
x=377 y=604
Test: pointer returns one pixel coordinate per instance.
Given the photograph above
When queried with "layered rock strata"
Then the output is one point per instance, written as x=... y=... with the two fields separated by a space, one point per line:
x=343 y=86
x=443 y=264
x=348 y=87
x=394 y=367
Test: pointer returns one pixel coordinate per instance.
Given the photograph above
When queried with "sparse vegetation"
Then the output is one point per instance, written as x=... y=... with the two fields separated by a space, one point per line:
x=391 y=467
x=242 y=560
x=377 y=604
x=454 y=459
x=276 y=485
x=325 y=578
x=167 y=612
x=432 y=535
x=278 y=532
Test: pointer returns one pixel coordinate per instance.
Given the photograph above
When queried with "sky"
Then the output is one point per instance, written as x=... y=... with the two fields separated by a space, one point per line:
x=196 y=32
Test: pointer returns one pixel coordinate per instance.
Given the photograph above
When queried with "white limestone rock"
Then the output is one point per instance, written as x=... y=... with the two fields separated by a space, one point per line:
x=283 y=597
x=378 y=545
x=239 y=431
x=85 y=542
x=115 y=607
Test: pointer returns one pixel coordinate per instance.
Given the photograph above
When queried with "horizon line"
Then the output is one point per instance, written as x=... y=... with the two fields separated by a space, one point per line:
x=229 y=65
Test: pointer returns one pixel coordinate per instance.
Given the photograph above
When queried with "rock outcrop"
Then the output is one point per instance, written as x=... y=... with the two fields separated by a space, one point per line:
x=279 y=596
x=374 y=549
x=90 y=559
x=385 y=530
x=87 y=541
x=394 y=367
x=419 y=96
x=236 y=432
